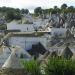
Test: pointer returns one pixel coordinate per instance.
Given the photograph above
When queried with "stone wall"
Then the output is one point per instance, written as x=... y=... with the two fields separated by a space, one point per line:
x=13 y=72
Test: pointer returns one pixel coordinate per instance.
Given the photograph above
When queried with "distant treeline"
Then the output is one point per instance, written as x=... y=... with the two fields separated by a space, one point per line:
x=12 y=13
x=16 y=13
x=63 y=9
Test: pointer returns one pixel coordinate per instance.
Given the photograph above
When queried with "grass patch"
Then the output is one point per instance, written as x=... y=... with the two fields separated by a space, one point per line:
x=32 y=67
x=54 y=66
x=60 y=66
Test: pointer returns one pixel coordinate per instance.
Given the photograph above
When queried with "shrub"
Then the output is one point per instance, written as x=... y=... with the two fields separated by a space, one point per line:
x=60 y=66
x=3 y=27
x=32 y=67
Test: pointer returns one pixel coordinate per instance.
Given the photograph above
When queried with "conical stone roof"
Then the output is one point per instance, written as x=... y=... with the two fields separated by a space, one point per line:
x=12 y=62
x=67 y=53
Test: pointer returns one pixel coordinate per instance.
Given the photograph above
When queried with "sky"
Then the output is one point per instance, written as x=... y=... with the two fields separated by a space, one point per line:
x=32 y=4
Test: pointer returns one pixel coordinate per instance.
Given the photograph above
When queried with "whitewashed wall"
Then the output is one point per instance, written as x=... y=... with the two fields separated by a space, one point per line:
x=26 y=42
x=26 y=27
x=22 y=27
x=58 y=31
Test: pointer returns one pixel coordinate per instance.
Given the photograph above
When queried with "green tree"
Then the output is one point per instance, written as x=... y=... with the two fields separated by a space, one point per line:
x=24 y=11
x=50 y=10
x=10 y=15
x=63 y=6
x=55 y=7
x=4 y=9
x=38 y=11
x=71 y=9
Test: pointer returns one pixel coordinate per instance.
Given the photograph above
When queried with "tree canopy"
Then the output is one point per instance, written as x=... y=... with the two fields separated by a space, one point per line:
x=63 y=9
x=26 y=11
x=38 y=10
x=16 y=13
x=12 y=13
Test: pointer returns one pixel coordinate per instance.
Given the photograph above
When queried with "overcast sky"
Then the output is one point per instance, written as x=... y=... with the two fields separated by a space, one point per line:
x=32 y=4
